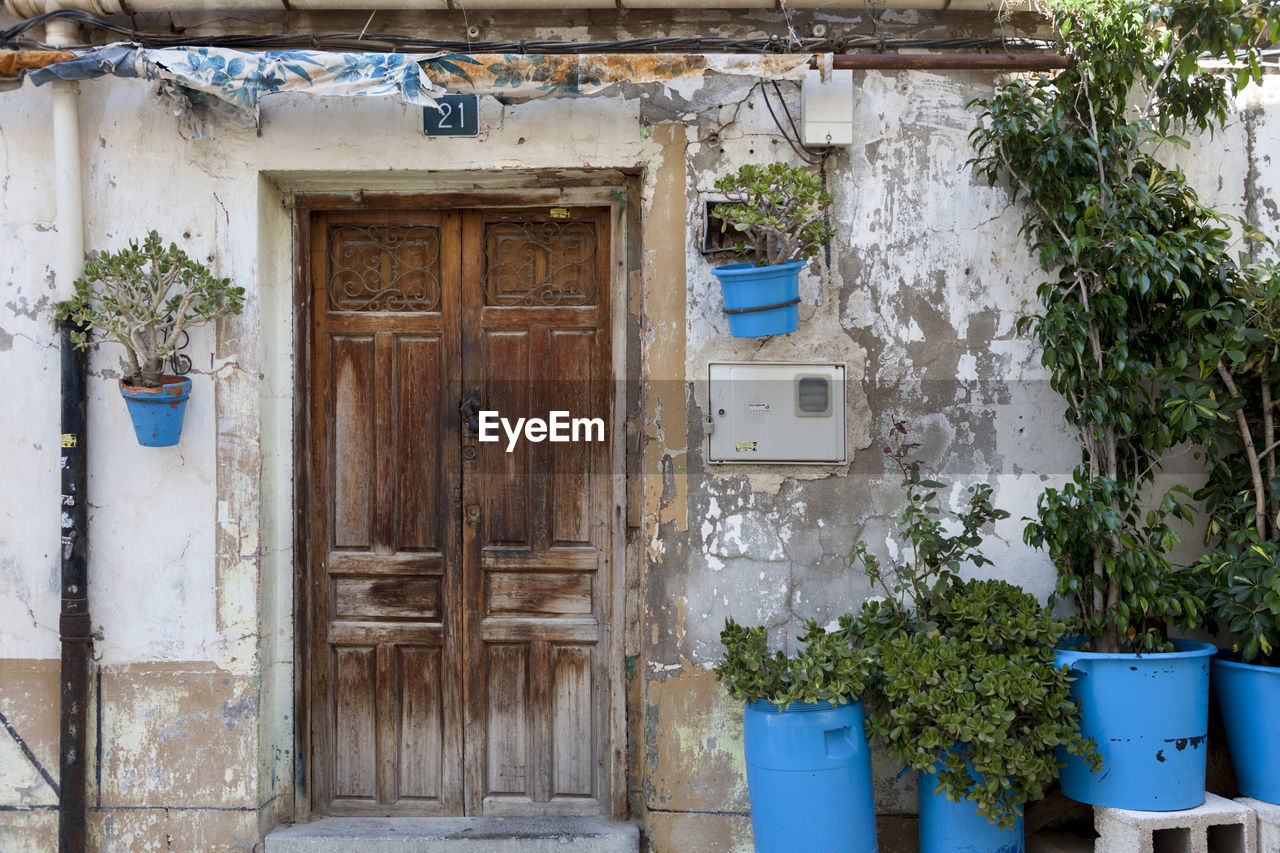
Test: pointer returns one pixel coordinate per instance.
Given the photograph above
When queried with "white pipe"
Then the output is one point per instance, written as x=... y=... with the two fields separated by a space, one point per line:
x=68 y=173
x=31 y=8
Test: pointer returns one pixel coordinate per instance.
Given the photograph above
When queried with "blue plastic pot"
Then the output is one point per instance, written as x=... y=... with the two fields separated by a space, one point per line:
x=157 y=412
x=1149 y=716
x=956 y=827
x=809 y=778
x=1249 y=696
x=761 y=301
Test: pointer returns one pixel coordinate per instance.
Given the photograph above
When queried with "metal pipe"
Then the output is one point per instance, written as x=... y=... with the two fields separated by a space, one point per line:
x=73 y=623
x=68 y=178
x=31 y=8
x=951 y=61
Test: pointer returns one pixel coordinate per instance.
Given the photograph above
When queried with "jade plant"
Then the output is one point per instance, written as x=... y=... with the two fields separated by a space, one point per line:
x=144 y=297
x=964 y=684
x=1229 y=405
x=827 y=669
x=1132 y=257
x=778 y=211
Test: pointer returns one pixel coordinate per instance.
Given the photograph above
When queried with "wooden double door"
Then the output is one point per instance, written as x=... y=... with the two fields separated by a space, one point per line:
x=458 y=591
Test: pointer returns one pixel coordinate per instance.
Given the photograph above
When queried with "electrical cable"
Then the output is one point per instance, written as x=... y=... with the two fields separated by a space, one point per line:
x=363 y=41
x=801 y=150
x=791 y=121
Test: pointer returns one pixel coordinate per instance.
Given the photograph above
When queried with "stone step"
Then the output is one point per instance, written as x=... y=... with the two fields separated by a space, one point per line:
x=456 y=835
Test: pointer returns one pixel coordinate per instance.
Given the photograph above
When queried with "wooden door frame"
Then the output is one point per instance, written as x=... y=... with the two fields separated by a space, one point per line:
x=569 y=193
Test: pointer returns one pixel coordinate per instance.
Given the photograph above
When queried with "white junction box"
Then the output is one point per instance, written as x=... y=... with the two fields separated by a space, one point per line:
x=773 y=412
x=826 y=109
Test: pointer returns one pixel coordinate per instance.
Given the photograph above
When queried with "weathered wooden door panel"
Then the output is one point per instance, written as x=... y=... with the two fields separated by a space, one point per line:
x=457 y=588
x=381 y=519
x=534 y=342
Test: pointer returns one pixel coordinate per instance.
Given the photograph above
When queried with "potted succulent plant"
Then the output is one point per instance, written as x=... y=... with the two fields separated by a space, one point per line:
x=144 y=297
x=808 y=763
x=965 y=686
x=780 y=215
x=1231 y=409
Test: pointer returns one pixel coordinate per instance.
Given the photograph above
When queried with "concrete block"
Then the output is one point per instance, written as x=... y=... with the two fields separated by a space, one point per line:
x=456 y=835
x=1218 y=826
x=1268 y=824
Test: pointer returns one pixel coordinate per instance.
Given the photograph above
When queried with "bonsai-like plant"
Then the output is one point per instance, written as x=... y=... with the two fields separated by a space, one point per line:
x=965 y=686
x=1229 y=406
x=779 y=211
x=827 y=669
x=1132 y=256
x=144 y=297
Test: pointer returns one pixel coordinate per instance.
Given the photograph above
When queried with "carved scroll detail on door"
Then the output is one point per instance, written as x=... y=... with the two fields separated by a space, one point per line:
x=540 y=263
x=384 y=268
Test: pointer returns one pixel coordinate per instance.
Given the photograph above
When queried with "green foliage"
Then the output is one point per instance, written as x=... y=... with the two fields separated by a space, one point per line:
x=1132 y=254
x=1227 y=403
x=936 y=553
x=973 y=695
x=779 y=210
x=964 y=685
x=1242 y=585
x=144 y=297
x=827 y=669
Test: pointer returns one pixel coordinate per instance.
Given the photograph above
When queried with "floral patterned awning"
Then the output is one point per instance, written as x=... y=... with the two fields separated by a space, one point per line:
x=200 y=81
x=541 y=75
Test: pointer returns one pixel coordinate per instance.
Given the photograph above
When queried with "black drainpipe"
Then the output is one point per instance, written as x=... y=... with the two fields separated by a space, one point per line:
x=73 y=624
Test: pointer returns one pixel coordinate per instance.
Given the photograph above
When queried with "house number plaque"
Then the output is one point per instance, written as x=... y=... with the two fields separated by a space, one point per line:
x=459 y=115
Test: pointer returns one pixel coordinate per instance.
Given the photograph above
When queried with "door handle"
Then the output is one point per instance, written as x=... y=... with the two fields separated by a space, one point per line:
x=470 y=410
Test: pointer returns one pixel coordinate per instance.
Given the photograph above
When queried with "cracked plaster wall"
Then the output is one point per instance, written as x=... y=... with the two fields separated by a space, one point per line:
x=926 y=279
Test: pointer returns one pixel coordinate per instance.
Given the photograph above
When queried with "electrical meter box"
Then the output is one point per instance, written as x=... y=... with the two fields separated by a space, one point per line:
x=772 y=412
x=826 y=109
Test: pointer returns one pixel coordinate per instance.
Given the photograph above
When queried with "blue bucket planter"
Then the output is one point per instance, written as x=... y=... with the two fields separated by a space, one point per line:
x=809 y=778
x=157 y=412
x=1149 y=716
x=1248 y=696
x=761 y=301
x=956 y=827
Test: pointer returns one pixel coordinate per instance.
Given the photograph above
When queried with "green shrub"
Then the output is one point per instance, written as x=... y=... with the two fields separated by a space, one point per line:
x=964 y=684
x=779 y=211
x=144 y=297
x=972 y=695
x=827 y=669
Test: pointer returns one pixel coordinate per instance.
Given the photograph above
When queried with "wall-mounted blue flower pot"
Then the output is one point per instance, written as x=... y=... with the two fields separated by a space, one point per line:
x=1249 y=696
x=956 y=827
x=1149 y=716
x=761 y=301
x=809 y=778
x=157 y=412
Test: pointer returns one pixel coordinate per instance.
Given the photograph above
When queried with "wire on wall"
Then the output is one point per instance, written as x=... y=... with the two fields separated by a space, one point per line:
x=16 y=37
x=812 y=156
